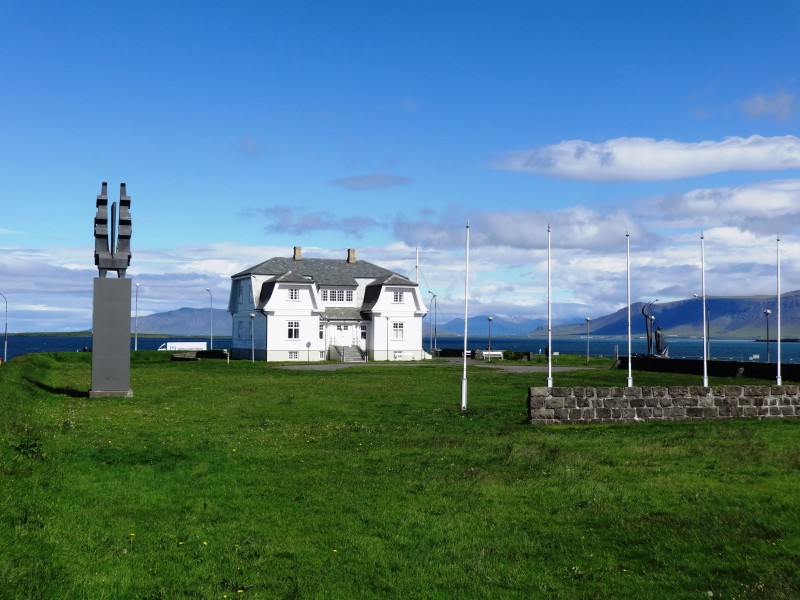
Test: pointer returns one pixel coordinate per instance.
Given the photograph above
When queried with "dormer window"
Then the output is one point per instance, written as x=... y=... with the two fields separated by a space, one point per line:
x=398 y=297
x=294 y=294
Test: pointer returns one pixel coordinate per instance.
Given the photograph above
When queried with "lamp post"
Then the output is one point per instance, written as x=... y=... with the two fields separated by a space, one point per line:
x=767 y=313
x=136 y=323
x=252 y=339
x=587 y=339
x=211 y=298
x=628 y=284
x=490 y=337
x=5 y=334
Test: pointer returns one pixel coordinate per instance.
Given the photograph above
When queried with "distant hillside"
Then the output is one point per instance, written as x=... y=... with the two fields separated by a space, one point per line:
x=186 y=322
x=737 y=317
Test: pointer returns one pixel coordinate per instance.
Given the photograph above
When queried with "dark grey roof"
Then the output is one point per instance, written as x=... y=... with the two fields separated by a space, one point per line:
x=324 y=271
x=346 y=313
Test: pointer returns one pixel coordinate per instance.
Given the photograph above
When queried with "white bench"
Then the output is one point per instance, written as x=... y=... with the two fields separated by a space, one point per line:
x=489 y=354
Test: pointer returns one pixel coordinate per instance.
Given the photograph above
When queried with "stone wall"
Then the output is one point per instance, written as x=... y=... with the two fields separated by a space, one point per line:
x=615 y=405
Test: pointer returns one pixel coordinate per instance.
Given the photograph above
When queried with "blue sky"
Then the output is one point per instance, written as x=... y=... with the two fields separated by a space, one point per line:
x=243 y=129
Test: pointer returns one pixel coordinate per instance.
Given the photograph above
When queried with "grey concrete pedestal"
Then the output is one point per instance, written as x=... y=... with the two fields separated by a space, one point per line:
x=111 y=338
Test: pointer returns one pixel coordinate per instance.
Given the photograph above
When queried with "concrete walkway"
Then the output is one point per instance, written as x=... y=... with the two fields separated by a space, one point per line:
x=471 y=363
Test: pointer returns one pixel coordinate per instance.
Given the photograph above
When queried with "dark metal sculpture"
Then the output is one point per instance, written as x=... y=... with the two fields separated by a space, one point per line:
x=112 y=253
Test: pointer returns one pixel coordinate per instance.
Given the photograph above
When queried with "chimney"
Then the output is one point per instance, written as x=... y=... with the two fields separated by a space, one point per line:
x=298 y=253
x=351 y=255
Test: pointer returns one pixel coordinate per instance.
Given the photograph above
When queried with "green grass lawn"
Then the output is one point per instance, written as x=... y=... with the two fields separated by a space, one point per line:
x=250 y=481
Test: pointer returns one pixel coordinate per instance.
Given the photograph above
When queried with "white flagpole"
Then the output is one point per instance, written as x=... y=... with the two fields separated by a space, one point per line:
x=466 y=316
x=628 y=265
x=778 y=378
x=705 y=325
x=549 y=319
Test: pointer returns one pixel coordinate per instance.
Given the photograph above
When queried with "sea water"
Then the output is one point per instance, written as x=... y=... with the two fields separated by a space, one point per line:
x=722 y=349
x=25 y=344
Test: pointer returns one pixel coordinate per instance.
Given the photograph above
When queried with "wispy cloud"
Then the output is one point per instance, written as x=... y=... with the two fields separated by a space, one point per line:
x=288 y=219
x=249 y=146
x=780 y=106
x=647 y=159
x=360 y=183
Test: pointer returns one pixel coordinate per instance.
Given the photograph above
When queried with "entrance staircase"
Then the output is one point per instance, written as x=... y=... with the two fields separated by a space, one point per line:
x=351 y=354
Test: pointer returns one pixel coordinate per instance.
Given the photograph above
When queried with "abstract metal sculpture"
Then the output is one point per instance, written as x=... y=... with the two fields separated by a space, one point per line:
x=114 y=252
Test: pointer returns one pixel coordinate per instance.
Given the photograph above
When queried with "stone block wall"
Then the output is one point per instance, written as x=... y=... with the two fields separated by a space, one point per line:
x=616 y=405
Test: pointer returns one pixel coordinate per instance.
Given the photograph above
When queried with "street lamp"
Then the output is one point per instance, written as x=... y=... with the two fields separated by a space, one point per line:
x=5 y=335
x=136 y=323
x=767 y=313
x=212 y=317
x=587 y=339
x=490 y=338
x=252 y=339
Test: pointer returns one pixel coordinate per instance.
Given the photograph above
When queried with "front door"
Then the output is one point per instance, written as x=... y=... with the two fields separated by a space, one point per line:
x=343 y=335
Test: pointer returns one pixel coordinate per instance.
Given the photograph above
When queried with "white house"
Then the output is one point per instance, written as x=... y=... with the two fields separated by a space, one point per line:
x=318 y=308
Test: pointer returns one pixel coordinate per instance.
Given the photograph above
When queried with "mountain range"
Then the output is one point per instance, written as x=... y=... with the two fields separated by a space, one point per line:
x=735 y=317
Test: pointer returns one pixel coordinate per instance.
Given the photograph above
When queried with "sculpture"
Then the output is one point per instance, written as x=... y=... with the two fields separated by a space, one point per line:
x=114 y=252
x=111 y=310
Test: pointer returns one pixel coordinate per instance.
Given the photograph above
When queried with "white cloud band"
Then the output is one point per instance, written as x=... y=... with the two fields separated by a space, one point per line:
x=647 y=159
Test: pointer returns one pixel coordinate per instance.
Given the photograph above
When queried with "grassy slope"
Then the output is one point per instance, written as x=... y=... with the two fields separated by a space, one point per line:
x=245 y=481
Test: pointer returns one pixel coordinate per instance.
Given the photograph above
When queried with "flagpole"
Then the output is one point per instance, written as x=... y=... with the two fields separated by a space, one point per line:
x=628 y=266
x=549 y=319
x=705 y=325
x=466 y=315
x=778 y=260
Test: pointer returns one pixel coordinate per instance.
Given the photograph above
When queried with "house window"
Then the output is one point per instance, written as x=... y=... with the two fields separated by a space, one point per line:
x=294 y=355
x=397 y=331
x=294 y=294
x=363 y=332
x=294 y=330
x=337 y=295
x=398 y=297
x=398 y=355
x=322 y=332
x=322 y=355
x=342 y=327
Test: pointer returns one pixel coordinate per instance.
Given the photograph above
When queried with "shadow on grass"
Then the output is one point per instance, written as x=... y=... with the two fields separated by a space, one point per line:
x=70 y=392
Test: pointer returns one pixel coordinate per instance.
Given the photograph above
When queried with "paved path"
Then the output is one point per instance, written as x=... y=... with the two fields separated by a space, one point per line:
x=471 y=363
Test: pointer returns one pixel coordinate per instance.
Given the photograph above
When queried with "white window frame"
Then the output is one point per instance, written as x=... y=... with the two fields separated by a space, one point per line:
x=294 y=355
x=398 y=297
x=398 y=331
x=294 y=294
x=293 y=330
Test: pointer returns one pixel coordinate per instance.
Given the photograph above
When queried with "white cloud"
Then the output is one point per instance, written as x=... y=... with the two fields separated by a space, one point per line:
x=761 y=207
x=647 y=159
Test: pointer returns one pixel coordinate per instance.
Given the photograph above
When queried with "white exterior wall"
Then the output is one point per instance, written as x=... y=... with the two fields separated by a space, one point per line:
x=384 y=343
x=280 y=310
